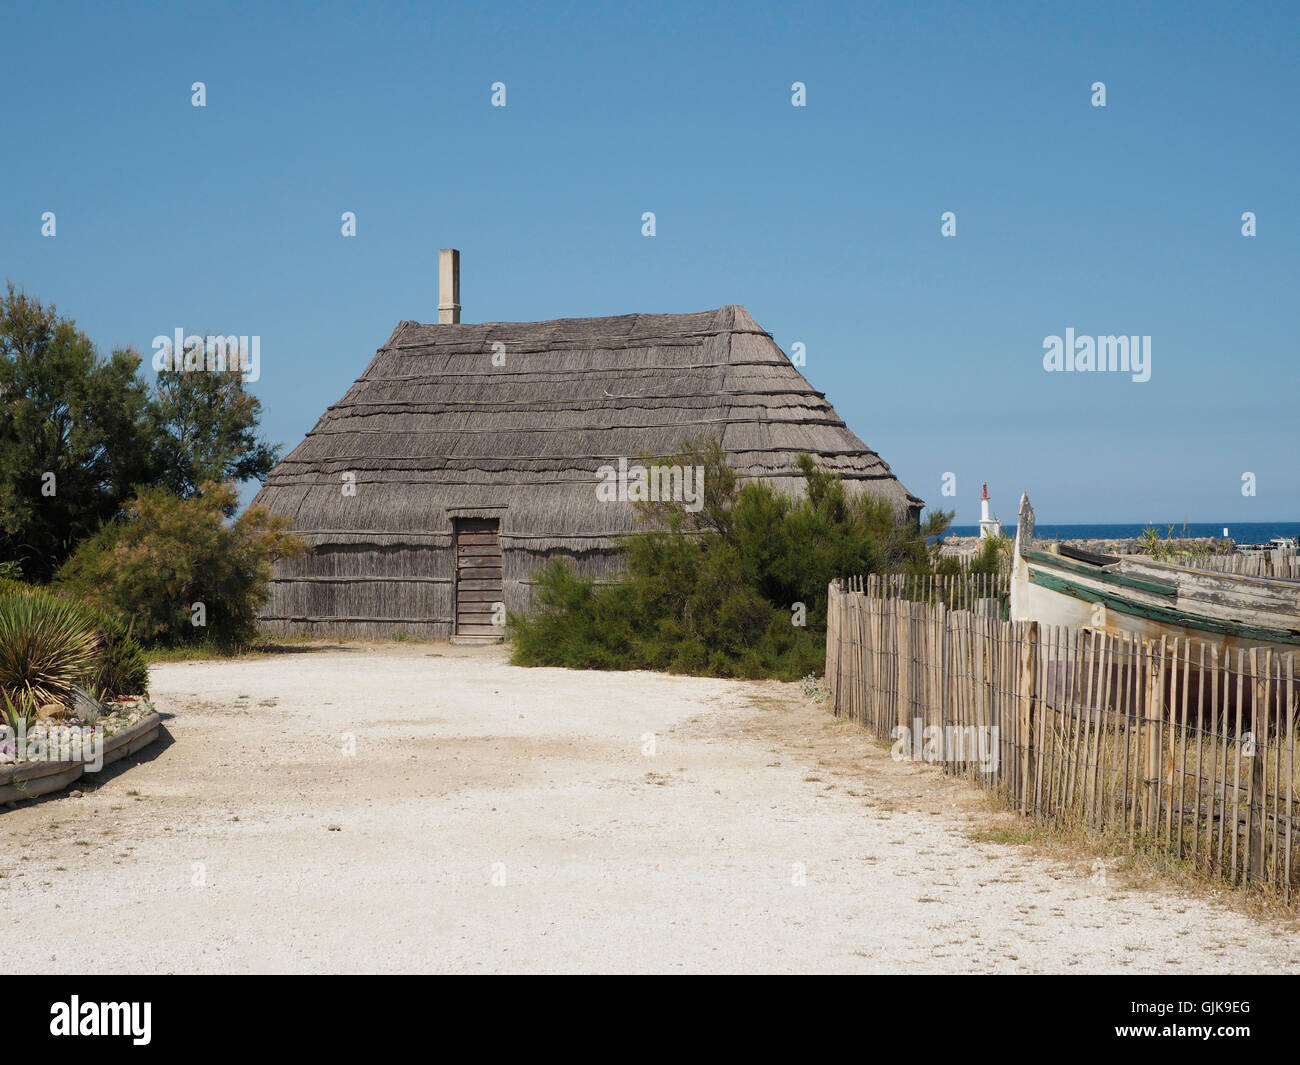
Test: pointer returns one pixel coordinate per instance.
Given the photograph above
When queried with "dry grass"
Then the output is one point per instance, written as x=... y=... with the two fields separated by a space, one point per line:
x=1129 y=864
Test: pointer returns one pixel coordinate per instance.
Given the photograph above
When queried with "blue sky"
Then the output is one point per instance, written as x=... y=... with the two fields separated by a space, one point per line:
x=823 y=221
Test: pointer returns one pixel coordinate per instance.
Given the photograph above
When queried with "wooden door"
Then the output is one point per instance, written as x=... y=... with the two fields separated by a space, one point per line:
x=478 y=576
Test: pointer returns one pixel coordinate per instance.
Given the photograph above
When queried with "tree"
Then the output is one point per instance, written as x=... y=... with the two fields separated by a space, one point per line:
x=79 y=434
x=76 y=434
x=208 y=424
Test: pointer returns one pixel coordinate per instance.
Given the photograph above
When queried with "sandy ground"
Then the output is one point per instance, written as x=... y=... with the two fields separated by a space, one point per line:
x=501 y=819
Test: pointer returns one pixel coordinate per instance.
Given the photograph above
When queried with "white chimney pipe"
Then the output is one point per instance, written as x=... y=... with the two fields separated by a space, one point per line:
x=448 y=286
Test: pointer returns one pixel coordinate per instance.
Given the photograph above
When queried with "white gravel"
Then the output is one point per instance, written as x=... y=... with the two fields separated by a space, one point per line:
x=761 y=835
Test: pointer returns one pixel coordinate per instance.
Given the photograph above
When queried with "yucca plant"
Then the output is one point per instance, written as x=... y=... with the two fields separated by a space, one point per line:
x=17 y=714
x=46 y=646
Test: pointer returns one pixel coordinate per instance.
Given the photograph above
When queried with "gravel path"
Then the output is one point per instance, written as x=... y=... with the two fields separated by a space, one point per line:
x=502 y=819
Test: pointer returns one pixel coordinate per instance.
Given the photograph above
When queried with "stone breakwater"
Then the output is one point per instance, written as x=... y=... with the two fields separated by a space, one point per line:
x=967 y=546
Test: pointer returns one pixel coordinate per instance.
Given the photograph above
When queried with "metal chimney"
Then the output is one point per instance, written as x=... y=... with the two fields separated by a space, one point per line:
x=448 y=286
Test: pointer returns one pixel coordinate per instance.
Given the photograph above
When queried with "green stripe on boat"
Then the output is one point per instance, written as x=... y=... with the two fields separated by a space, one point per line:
x=1122 y=580
x=1165 y=615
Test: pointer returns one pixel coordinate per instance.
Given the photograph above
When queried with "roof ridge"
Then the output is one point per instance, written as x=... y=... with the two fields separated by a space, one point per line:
x=726 y=319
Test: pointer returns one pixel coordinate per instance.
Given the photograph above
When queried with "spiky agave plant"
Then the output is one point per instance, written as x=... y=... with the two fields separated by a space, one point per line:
x=46 y=646
x=17 y=714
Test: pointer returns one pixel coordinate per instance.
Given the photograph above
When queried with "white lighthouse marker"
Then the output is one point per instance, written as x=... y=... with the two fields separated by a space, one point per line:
x=989 y=526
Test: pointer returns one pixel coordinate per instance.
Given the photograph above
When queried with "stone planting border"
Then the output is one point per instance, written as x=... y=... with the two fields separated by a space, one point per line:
x=31 y=779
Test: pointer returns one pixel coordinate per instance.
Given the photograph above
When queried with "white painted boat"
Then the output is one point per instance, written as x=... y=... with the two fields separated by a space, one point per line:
x=1055 y=584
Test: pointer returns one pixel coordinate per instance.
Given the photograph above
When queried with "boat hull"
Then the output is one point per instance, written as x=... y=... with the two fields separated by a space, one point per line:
x=1150 y=600
x=1034 y=601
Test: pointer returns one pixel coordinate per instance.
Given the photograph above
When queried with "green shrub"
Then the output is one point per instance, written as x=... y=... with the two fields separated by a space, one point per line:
x=120 y=668
x=719 y=591
x=176 y=573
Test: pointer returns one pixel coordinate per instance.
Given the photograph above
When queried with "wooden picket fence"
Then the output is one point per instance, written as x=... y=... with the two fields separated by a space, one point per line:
x=981 y=592
x=1177 y=745
x=1276 y=563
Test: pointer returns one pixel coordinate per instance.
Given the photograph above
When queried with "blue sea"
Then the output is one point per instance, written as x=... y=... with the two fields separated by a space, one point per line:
x=1243 y=532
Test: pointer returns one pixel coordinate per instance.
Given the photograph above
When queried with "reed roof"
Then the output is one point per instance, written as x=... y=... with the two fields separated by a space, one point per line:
x=435 y=426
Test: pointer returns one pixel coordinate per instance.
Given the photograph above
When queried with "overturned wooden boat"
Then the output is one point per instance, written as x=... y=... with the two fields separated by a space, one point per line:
x=1056 y=584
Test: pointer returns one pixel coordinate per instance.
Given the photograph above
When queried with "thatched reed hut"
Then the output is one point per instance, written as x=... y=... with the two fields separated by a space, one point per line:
x=466 y=456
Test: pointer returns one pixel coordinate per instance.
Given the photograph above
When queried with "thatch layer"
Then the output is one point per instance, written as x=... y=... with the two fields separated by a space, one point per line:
x=513 y=420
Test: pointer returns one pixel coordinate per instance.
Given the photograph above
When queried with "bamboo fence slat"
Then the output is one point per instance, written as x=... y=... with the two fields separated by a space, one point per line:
x=1180 y=745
